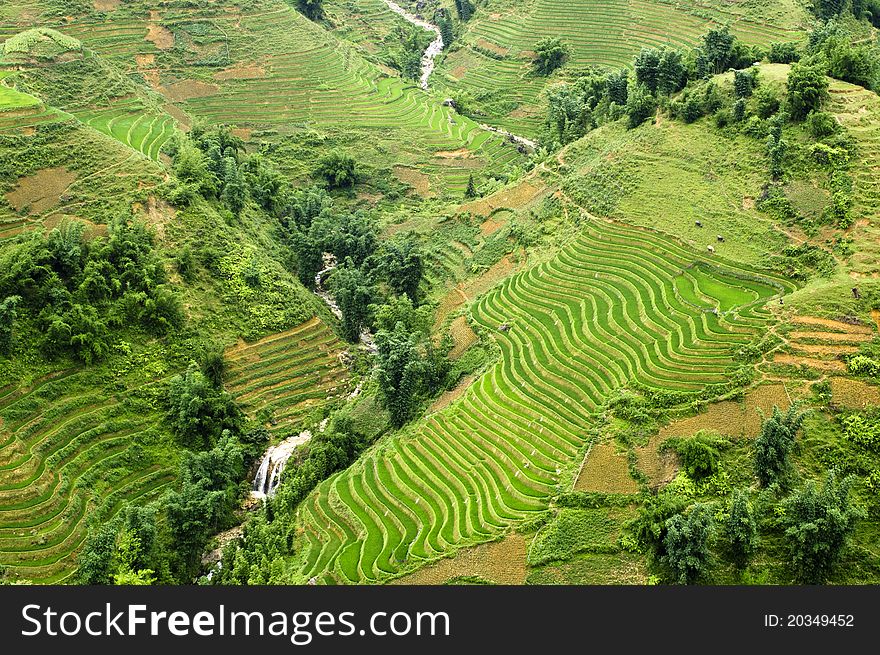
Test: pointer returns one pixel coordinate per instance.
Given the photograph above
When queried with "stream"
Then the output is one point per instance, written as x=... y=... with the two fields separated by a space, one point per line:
x=428 y=64
x=433 y=50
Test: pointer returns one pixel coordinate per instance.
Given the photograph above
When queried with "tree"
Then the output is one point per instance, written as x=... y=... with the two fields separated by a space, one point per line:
x=7 y=323
x=650 y=527
x=212 y=365
x=646 y=65
x=444 y=22
x=353 y=294
x=775 y=443
x=399 y=372
x=471 y=191
x=687 y=544
x=198 y=411
x=699 y=455
x=807 y=89
x=718 y=50
x=744 y=83
x=311 y=9
x=550 y=54
x=740 y=529
x=776 y=146
x=338 y=170
x=818 y=526
x=640 y=106
x=672 y=74
x=464 y=9
x=617 y=83
x=234 y=189
x=783 y=53
x=403 y=264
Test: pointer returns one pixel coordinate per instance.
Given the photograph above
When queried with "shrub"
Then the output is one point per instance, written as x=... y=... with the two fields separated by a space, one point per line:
x=700 y=455
x=740 y=529
x=338 y=170
x=550 y=54
x=818 y=525
x=687 y=544
x=783 y=53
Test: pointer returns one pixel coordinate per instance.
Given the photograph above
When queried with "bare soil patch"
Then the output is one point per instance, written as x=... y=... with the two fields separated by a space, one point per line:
x=188 y=89
x=461 y=153
x=492 y=47
x=449 y=397
x=854 y=394
x=822 y=349
x=820 y=364
x=242 y=71
x=178 y=114
x=459 y=72
x=732 y=418
x=93 y=230
x=463 y=336
x=606 y=471
x=40 y=191
x=416 y=179
x=836 y=326
x=833 y=337
x=106 y=5
x=465 y=291
x=512 y=198
x=156 y=213
x=490 y=226
x=526 y=111
x=160 y=36
x=501 y=562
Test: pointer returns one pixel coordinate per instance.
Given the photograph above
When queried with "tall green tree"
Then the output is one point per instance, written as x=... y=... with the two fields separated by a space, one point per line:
x=234 y=188
x=7 y=323
x=199 y=412
x=399 y=371
x=740 y=529
x=807 y=89
x=775 y=444
x=687 y=544
x=640 y=106
x=354 y=294
x=672 y=72
x=818 y=526
x=338 y=169
x=403 y=264
x=646 y=65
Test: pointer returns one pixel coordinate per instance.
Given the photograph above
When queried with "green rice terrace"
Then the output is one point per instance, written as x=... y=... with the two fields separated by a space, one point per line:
x=439 y=292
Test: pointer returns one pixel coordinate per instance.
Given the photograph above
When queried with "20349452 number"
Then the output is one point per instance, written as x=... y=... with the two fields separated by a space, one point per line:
x=820 y=620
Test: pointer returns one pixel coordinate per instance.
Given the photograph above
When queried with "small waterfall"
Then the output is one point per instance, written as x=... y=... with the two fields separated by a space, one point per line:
x=269 y=474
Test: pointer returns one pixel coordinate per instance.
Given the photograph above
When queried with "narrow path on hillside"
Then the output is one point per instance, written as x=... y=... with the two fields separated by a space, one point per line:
x=428 y=64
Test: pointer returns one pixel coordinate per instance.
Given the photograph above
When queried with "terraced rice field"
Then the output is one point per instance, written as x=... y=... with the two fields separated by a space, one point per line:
x=603 y=313
x=130 y=123
x=312 y=80
x=285 y=375
x=69 y=450
x=600 y=32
